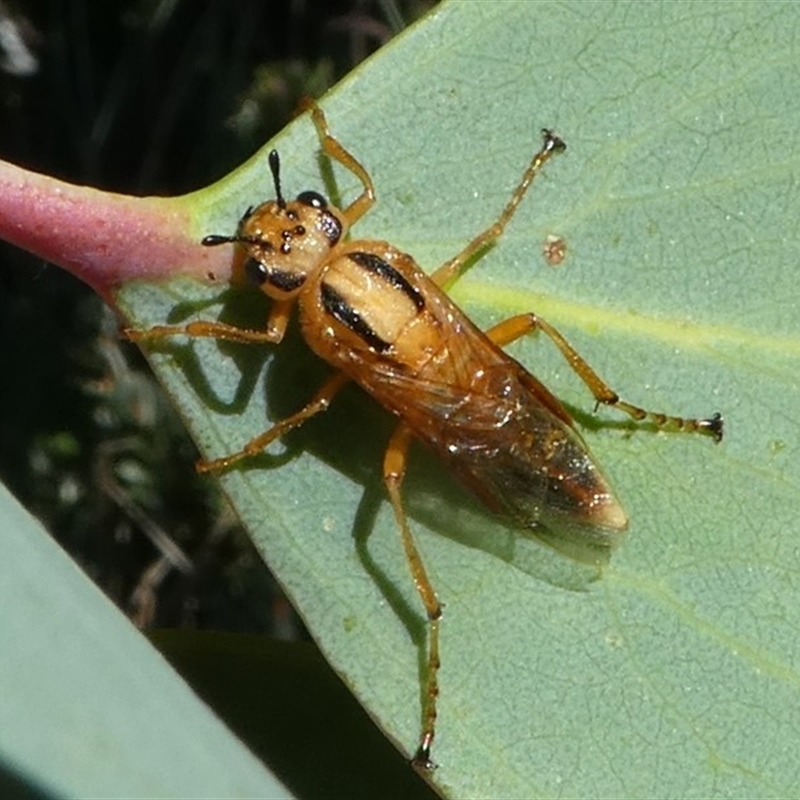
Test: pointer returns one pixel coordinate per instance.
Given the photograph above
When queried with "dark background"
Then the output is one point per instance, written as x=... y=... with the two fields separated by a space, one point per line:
x=144 y=97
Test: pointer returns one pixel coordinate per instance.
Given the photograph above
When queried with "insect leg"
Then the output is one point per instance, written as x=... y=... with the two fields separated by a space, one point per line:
x=450 y=270
x=334 y=149
x=518 y=326
x=321 y=401
x=273 y=334
x=394 y=469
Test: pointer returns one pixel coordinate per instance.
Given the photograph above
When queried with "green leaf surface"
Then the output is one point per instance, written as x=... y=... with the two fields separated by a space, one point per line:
x=87 y=707
x=674 y=672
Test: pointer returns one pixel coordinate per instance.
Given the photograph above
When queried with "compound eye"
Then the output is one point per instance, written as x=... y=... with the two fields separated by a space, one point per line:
x=255 y=272
x=313 y=199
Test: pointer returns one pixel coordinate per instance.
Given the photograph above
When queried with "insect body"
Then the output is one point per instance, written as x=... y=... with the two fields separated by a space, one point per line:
x=367 y=309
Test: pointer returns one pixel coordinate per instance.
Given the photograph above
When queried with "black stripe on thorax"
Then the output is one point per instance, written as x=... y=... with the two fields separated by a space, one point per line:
x=342 y=311
x=376 y=265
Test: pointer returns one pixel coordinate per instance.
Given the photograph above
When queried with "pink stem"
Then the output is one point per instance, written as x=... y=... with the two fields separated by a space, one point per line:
x=104 y=239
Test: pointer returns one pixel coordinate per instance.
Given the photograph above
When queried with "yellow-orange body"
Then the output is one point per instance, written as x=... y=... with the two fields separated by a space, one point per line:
x=494 y=425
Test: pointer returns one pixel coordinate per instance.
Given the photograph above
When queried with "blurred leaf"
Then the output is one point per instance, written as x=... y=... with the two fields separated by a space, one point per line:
x=88 y=709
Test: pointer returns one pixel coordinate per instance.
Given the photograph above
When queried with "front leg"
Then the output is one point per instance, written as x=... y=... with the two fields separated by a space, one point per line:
x=273 y=333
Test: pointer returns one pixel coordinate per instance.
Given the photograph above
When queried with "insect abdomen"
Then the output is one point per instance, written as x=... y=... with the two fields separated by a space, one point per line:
x=523 y=461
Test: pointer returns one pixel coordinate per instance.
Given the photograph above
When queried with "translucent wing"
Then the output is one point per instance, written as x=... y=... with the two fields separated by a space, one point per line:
x=503 y=434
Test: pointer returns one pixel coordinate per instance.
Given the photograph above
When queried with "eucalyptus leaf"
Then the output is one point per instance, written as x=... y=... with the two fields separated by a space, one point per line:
x=674 y=672
x=88 y=708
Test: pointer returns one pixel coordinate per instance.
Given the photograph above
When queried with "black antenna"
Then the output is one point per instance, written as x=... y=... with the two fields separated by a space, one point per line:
x=275 y=168
x=213 y=239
